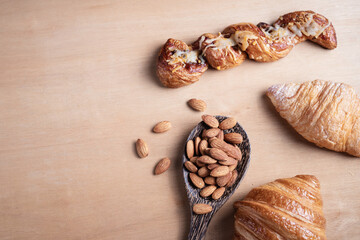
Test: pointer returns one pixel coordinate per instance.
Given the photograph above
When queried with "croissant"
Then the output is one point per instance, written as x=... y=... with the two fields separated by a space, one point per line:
x=323 y=112
x=289 y=208
x=179 y=64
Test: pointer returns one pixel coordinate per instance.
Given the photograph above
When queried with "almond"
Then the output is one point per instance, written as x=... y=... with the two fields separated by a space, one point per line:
x=218 y=154
x=197 y=142
x=227 y=123
x=222 y=181
x=218 y=193
x=221 y=135
x=142 y=148
x=212 y=166
x=230 y=150
x=207 y=191
x=233 y=138
x=212 y=132
x=190 y=166
x=202 y=208
x=210 y=180
x=199 y=164
x=197 y=104
x=162 y=127
x=193 y=159
x=162 y=166
x=190 y=149
x=228 y=161
x=219 y=171
x=196 y=180
x=203 y=172
x=206 y=159
x=203 y=146
x=232 y=167
x=211 y=121
x=232 y=179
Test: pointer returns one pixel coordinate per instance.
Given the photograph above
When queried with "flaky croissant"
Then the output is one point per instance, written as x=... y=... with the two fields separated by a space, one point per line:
x=179 y=64
x=323 y=112
x=289 y=208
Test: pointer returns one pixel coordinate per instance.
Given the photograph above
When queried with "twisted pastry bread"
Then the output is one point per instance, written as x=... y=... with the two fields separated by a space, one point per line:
x=179 y=64
x=289 y=208
x=323 y=112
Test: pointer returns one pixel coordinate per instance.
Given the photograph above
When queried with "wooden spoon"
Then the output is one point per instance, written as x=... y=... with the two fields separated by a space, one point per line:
x=200 y=223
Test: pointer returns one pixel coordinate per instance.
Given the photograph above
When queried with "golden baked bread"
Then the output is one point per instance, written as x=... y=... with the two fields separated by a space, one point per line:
x=289 y=208
x=323 y=112
x=179 y=64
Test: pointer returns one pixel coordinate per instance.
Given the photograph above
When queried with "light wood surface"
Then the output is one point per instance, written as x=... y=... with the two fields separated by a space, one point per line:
x=77 y=88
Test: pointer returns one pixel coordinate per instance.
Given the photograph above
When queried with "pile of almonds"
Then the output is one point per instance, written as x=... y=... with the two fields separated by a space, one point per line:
x=213 y=158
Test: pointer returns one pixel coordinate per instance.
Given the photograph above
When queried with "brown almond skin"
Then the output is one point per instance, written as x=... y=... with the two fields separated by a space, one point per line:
x=202 y=208
x=162 y=127
x=229 y=149
x=207 y=191
x=196 y=180
x=218 y=154
x=221 y=135
x=190 y=149
x=218 y=193
x=210 y=180
x=232 y=167
x=212 y=132
x=233 y=178
x=190 y=167
x=199 y=164
x=197 y=142
x=197 y=104
x=222 y=181
x=203 y=172
x=211 y=121
x=141 y=148
x=206 y=159
x=219 y=171
x=212 y=166
x=235 y=138
x=227 y=123
x=162 y=166
x=203 y=145
x=228 y=162
x=193 y=159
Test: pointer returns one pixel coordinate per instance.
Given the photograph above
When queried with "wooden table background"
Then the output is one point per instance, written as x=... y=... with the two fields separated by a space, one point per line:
x=77 y=88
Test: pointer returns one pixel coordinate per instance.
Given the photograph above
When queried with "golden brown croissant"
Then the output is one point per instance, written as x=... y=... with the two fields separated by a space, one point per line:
x=289 y=208
x=323 y=112
x=179 y=64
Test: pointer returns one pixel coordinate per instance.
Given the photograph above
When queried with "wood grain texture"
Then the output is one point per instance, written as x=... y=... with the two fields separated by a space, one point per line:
x=77 y=89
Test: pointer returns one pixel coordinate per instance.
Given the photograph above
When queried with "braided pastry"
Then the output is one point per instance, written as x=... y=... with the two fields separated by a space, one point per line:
x=323 y=112
x=180 y=64
x=289 y=208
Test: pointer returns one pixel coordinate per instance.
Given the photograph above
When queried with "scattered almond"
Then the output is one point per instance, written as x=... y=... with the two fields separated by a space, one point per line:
x=203 y=172
x=211 y=121
x=222 y=181
x=190 y=166
x=162 y=127
x=196 y=180
x=219 y=171
x=202 y=208
x=233 y=138
x=162 y=166
x=227 y=123
x=197 y=142
x=142 y=148
x=197 y=104
x=209 y=180
x=207 y=191
x=218 y=193
x=190 y=149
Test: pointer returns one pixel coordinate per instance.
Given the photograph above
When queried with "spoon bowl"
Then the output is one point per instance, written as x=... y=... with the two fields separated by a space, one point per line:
x=200 y=223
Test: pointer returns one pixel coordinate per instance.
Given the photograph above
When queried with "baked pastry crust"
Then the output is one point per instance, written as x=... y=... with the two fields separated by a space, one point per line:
x=289 y=208
x=262 y=43
x=323 y=112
